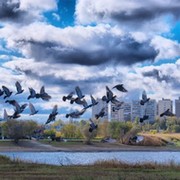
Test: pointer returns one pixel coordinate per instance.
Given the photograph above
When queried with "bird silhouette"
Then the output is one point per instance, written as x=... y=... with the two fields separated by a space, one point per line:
x=120 y=87
x=145 y=117
x=109 y=95
x=76 y=114
x=79 y=97
x=101 y=113
x=93 y=101
x=32 y=93
x=7 y=92
x=43 y=95
x=18 y=109
x=68 y=97
x=53 y=114
x=167 y=113
x=92 y=126
x=15 y=115
x=18 y=88
x=144 y=98
x=32 y=109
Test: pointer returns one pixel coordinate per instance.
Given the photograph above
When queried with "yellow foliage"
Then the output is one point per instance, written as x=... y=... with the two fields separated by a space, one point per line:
x=58 y=134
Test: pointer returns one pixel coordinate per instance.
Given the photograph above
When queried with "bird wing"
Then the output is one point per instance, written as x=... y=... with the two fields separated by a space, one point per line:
x=54 y=111
x=32 y=108
x=18 y=86
x=109 y=93
x=6 y=90
x=78 y=92
x=93 y=101
x=32 y=92
x=42 y=90
x=144 y=96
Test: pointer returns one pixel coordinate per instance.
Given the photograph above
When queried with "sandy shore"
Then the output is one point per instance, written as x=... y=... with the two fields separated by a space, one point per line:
x=35 y=146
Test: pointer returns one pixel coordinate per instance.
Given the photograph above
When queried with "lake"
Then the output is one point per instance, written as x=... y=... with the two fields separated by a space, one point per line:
x=84 y=158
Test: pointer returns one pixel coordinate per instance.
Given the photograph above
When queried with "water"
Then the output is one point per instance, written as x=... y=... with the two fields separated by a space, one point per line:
x=84 y=158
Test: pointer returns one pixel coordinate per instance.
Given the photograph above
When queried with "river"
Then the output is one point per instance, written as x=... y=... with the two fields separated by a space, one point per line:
x=84 y=158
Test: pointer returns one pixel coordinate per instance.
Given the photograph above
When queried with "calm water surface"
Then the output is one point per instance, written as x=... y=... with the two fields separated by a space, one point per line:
x=83 y=158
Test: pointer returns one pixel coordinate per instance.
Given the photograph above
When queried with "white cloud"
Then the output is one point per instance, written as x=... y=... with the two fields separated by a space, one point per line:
x=168 y=49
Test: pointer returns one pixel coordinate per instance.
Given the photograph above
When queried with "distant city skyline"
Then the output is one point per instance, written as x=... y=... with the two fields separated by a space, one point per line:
x=61 y=44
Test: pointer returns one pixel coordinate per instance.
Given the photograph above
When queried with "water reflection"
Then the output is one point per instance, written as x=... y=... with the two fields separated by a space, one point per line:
x=83 y=158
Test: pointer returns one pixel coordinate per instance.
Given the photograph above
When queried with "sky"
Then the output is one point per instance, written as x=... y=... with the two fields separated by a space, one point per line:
x=61 y=44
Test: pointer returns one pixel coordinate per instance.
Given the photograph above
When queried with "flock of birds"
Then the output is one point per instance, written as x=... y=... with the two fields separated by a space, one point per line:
x=18 y=109
x=78 y=99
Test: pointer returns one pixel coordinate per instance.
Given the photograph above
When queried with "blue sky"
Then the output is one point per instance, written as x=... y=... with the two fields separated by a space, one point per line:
x=61 y=44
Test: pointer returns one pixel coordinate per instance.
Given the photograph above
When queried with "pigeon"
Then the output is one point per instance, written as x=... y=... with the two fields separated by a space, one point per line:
x=76 y=114
x=18 y=109
x=77 y=101
x=92 y=126
x=145 y=117
x=120 y=88
x=144 y=98
x=79 y=96
x=13 y=116
x=101 y=113
x=19 y=88
x=109 y=95
x=167 y=113
x=68 y=97
x=32 y=109
x=43 y=95
x=93 y=101
x=7 y=92
x=53 y=114
x=32 y=93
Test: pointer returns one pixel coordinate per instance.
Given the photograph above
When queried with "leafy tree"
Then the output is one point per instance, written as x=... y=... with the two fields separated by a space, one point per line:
x=16 y=129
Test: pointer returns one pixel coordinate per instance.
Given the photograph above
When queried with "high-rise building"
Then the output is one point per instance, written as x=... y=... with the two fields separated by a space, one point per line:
x=97 y=108
x=150 y=109
x=163 y=105
x=123 y=114
x=177 y=107
x=135 y=110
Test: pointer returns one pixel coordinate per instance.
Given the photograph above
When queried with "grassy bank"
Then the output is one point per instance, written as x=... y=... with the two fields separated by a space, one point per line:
x=101 y=170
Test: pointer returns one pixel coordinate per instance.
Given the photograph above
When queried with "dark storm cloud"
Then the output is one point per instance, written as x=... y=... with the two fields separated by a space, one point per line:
x=125 y=51
x=9 y=10
x=88 y=85
x=158 y=76
x=168 y=78
x=144 y=14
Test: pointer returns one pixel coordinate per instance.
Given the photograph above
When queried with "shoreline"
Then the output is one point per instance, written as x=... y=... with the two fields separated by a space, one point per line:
x=36 y=146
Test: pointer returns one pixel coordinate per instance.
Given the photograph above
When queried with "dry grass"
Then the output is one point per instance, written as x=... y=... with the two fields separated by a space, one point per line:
x=104 y=170
x=167 y=137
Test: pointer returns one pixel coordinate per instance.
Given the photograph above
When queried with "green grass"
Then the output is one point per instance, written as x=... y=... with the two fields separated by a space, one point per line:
x=107 y=170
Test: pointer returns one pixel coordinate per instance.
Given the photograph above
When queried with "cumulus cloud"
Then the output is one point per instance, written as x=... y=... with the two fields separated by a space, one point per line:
x=134 y=12
x=79 y=45
x=25 y=11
